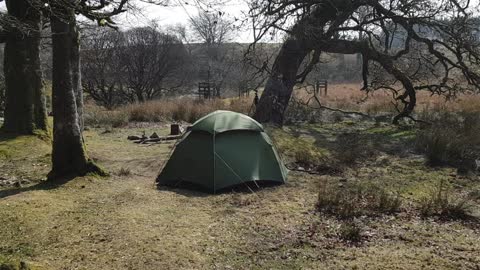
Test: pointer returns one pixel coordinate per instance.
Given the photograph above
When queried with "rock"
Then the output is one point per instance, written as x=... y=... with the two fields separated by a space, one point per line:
x=154 y=136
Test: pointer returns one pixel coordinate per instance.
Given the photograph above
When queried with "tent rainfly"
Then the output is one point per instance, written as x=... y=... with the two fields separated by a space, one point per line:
x=221 y=150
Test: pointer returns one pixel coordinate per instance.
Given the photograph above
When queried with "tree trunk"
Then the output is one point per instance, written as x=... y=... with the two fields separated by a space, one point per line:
x=279 y=87
x=25 y=98
x=69 y=157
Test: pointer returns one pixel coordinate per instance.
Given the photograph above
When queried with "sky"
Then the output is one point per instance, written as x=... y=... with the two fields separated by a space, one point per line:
x=178 y=13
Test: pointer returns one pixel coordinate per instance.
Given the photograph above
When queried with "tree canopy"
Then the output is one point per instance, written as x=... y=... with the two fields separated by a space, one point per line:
x=415 y=45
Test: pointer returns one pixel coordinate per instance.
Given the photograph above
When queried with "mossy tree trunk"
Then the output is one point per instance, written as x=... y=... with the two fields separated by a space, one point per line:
x=69 y=157
x=25 y=98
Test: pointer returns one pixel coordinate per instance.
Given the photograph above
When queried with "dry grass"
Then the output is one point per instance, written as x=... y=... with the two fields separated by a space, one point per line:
x=352 y=199
x=452 y=138
x=350 y=97
x=176 y=110
x=124 y=222
x=442 y=202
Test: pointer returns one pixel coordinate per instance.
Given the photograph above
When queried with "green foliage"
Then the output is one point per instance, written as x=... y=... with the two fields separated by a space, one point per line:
x=301 y=151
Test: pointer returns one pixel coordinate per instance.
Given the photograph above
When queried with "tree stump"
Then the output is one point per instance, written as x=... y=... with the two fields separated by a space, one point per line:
x=175 y=129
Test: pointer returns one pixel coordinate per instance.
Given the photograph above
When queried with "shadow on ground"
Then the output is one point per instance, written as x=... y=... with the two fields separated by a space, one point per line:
x=44 y=185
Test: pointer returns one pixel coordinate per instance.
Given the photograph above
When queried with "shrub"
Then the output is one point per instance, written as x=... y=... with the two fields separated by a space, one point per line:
x=452 y=139
x=350 y=200
x=351 y=148
x=307 y=155
x=440 y=203
x=350 y=232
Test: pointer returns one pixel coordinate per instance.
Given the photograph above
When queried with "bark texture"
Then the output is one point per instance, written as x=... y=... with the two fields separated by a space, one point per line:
x=301 y=41
x=279 y=86
x=25 y=98
x=69 y=157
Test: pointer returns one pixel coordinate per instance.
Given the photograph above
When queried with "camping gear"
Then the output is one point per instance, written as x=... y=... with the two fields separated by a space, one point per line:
x=223 y=149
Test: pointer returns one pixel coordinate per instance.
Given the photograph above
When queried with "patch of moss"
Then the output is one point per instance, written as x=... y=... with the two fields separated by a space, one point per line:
x=301 y=150
x=16 y=264
x=13 y=146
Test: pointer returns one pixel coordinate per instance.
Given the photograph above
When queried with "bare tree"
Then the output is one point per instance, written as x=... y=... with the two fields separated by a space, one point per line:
x=152 y=63
x=101 y=71
x=211 y=27
x=437 y=46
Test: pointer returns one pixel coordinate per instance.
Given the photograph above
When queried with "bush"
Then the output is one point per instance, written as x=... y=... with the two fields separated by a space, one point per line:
x=307 y=155
x=350 y=232
x=452 y=139
x=351 y=149
x=440 y=203
x=350 y=200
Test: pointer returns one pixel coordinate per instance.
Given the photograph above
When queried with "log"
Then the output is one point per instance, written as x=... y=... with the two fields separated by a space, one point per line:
x=161 y=139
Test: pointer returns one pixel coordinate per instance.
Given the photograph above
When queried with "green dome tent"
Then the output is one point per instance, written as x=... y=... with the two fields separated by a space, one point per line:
x=221 y=150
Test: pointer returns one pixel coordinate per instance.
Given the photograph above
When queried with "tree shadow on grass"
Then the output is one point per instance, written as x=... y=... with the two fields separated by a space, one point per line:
x=44 y=185
x=7 y=136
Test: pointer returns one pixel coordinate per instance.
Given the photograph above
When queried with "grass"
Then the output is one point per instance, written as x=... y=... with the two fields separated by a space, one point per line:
x=124 y=222
x=452 y=138
x=349 y=200
x=443 y=203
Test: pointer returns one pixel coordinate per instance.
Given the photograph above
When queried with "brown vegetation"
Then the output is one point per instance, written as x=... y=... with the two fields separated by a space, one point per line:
x=177 y=110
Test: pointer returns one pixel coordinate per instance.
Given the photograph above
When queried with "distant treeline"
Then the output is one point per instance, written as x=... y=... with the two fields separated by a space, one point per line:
x=140 y=64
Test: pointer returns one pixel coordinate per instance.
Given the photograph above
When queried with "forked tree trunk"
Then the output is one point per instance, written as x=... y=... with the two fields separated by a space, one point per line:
x=25 y=98
x=69 y=157
x=278 y=89
x=307 y=37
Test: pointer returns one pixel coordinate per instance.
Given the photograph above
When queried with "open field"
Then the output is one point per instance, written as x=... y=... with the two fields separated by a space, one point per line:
x=350 y=97
x=125 y=222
